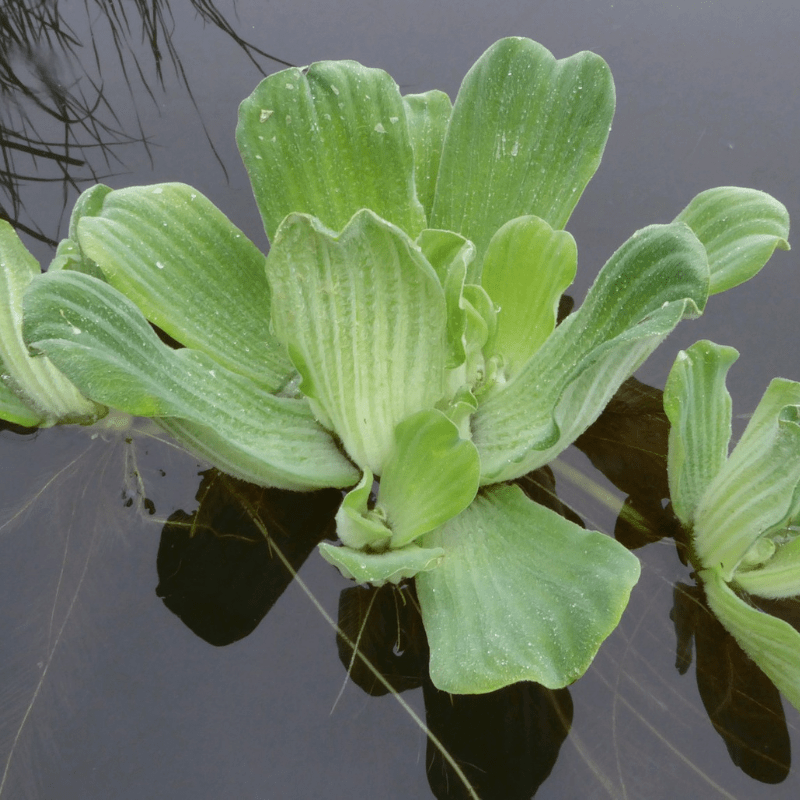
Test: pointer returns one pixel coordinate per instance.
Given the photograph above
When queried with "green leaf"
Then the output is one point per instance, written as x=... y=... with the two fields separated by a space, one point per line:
x=521 y=594
x=450 y=255
x=527 y=267
x=327 y=141
x=658 y=277
x=743 y=704
x=357 y=525
x=772 y=643
x=780 y=394
x=754 y=493
x=103 y=343
x=69 y=254
x=471 y=316
x=480 y=316
x=192 y=273
x=779 y=577
x=364 y=318
x=89 y=204
x=391 y=566
x=427 y=115
x=699 y=409
x=740 y=229
x=526 y=135
x=430 y=476
x=459 y=408
x=12 y=409
x=43 y=395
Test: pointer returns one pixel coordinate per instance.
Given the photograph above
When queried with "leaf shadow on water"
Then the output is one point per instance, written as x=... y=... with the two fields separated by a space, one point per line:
x=743 y=705
x=217 y=572
x=506 y=742
x=222 y=567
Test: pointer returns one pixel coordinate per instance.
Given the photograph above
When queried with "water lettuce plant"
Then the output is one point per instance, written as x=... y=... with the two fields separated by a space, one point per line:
x=742 y=510
x=403 y=327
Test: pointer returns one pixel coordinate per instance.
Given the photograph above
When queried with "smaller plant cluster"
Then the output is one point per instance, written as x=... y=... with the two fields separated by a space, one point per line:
x=402 y=328
x=742 y=510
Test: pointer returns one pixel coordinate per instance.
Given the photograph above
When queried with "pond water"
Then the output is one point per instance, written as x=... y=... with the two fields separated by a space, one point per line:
x=129 y=668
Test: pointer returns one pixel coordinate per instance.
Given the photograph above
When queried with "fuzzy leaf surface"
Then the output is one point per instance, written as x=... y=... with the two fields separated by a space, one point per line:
x=364 y=318
x=191 y=271
x=391 y=566
x=35 y=392
x=428 y=115
x=658 y=277
x=521 y=594
x=106 y=347
x=356 y=524
x=526 y=135
x=755 y=492
x=527 y=267
x=699 y=409
x=450 y=255
x=12 y=409
x=777 y=578
x=327 y=141
x=771 y=642
x=69 y=254
x=740 y=229
x=430 y=476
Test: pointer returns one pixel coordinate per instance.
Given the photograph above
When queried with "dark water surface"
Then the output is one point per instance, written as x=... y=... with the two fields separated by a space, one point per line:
x=106 y=693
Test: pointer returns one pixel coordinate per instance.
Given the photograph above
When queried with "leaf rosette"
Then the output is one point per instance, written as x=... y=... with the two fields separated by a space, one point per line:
x=403 y=328
x=742 y=509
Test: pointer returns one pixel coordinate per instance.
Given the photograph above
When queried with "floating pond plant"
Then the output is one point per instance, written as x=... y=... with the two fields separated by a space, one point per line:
x=742 y=510
x=402 y=328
